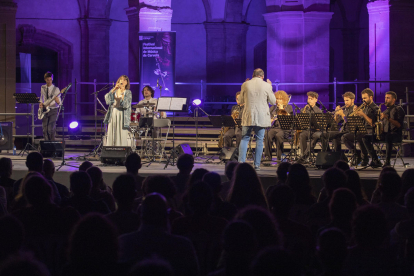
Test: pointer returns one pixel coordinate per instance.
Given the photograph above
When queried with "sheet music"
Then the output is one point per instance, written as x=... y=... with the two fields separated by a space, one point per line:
x=164 y=103
x=177 y=103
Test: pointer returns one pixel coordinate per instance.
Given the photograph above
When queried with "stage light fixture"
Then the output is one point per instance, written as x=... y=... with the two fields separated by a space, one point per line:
x=196 y=102
x=74 y=130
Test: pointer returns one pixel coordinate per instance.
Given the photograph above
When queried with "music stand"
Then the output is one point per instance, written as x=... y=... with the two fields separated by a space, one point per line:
x=27 y=98
x=356 y=125
x=174 y=104
x=289 y=123
x=220 y=121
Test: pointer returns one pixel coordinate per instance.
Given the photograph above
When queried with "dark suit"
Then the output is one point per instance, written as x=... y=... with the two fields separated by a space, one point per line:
x=276 y=133
x=392 y=133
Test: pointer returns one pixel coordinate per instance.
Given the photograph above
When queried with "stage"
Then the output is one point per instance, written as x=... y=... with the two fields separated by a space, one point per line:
x=267 y=172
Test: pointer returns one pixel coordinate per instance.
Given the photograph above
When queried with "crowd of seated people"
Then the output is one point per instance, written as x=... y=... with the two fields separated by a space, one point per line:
x=196 y=224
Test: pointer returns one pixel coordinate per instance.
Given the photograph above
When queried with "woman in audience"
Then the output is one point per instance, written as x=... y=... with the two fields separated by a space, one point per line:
x=246 y=188
x=376 y=195
x=282 y=173
x=407 y=183
x=298 y=179
x=354 y=184
x=264 y=226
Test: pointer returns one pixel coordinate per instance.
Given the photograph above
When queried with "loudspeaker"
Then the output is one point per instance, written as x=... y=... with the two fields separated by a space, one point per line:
x=326 y=160
x=6 y=136
x=180 y=149
x=51 y=148
x=229 y=154
x=115 y=155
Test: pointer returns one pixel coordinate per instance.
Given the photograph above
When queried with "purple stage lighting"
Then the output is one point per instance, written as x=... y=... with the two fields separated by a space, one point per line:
x=196 y=102
x=73 y=125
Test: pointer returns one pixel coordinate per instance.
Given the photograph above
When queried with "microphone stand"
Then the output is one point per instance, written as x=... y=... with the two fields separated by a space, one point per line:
x=326 y=130
x=196 y=112
x=310 y=131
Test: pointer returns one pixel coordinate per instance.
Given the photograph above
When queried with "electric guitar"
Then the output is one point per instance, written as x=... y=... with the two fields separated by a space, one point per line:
x=45 y=109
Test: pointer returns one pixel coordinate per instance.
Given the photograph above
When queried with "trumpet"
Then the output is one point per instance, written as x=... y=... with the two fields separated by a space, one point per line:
x=361 y=107
x=341 y=108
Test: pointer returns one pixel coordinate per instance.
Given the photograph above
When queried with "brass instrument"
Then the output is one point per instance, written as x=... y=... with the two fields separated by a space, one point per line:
x=341 y=108
x=361 y=107
x=281 y=111
x=379 y=127
x=223 y=130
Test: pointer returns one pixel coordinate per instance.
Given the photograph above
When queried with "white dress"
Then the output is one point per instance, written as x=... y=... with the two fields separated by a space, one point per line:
x=117 y=134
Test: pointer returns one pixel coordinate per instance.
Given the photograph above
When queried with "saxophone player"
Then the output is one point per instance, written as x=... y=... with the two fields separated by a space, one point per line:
x=236 y=131
x=275 y=132
x=393 y=121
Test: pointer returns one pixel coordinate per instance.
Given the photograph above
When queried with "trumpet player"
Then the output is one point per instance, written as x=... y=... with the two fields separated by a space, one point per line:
x=275 y=132
x=393 y=120
x=236 y=131
x=369 y=113
x=340 y=116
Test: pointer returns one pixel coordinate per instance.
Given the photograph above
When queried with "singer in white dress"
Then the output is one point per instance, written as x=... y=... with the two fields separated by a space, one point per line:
x=118 y=116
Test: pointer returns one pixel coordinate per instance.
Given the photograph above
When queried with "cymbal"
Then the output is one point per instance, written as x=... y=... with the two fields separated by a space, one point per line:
x=143 y=105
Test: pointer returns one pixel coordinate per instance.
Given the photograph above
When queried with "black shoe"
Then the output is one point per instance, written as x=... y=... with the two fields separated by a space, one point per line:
x=364 y=162
x=375 y=163
x=387 y=164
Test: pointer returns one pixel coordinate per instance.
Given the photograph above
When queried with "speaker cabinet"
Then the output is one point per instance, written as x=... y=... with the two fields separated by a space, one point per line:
x=326 y=160
x=6 y=136
x=181 y=149
x=229 y=154
x=51 y=148
x=115 y=155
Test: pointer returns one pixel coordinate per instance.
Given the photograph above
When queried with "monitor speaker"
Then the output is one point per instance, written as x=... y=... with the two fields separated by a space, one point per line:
x=326 y=160
x=115 y=155
x=51 y=148
x=229 y=154
x=181 y=149
x=6 y=136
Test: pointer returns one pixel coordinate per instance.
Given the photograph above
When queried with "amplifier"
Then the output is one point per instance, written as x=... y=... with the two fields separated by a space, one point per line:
x=115 y=155
x=51 y=148
x=229 y=154
x=327 y=159
x=180 y=149
x=6 y=136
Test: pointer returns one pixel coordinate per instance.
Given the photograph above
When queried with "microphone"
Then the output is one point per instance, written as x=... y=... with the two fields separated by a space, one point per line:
x=324 y=108
x=158 y=84
x=296 y=107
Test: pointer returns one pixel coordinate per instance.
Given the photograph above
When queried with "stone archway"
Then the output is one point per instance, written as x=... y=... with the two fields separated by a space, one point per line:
x=28 y=36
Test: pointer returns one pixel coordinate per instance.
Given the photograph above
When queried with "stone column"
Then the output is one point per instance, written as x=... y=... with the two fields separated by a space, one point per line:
x=226 y=55
x=391 y=45
x=133 y=43
x=7 y=58
x=94 y=56
x=298 y=51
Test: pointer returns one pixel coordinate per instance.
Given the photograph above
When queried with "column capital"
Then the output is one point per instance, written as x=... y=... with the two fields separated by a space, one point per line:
x=378 y=7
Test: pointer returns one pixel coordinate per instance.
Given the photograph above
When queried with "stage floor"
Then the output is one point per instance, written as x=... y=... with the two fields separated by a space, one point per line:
x=267 y=173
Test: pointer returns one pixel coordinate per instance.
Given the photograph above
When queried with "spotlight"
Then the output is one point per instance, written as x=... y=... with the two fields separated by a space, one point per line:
x=73 y=125
x=196 y=102
x=74 y=130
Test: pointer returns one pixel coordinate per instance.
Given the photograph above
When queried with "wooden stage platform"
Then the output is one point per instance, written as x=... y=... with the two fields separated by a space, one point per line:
x=267 y=174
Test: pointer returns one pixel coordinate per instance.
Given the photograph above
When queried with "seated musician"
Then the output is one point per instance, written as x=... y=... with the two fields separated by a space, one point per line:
x=150 y=111
x=393 y=121
x=311 y=107
x=340 y=118
x=369 y=113
x=234 y=131
x=275 y=132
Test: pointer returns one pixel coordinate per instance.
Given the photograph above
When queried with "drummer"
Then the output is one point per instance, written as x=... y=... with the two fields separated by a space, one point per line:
x=148 y=94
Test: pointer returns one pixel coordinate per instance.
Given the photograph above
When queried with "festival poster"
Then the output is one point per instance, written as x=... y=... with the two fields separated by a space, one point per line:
x=157 y=62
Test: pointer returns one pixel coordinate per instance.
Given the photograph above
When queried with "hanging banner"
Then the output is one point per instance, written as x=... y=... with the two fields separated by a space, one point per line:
x=157 y=62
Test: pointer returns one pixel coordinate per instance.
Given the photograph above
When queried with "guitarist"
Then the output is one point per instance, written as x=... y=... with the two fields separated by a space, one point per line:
x=49 y=120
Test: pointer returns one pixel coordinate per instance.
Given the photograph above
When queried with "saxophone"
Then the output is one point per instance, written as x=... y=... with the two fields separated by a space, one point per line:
x=379 y=128
x=234 y=115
